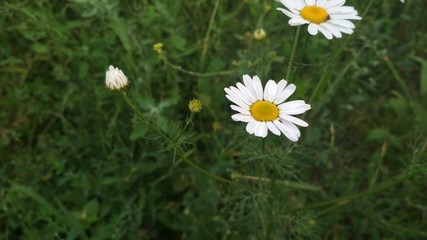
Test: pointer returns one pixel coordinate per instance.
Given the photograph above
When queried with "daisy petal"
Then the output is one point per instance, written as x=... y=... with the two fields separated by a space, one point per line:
x=294 y=5
x=325 y=32
x=310 y=2
x=288 y=91
x=313 y=29
x=247 y=80
x=248 y=94
x=291 y=14
x=294 y=120
x=250 y=127
x=240 y=110
x=295 y=111
x=293 y=104
x=257 y=87
x=236 y=100
x=238 y=117
x=262 y=130
x=286 y=131
x=280 y=86
x=270 y=90
x=273 y=128
x=292 y=128
x=332 y=29
x=297 y=21
x=240 y=95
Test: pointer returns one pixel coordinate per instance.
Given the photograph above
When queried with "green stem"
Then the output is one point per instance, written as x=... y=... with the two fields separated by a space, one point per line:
x=213 y=176
x=378 y=163
x=187 y=122
x=398 y=78
x=325 y=73
x=366 y=10
x=208 y=35
x=294 y=49
x=263 y=145
x=324 y=77
x=180 y=153
x=344 y=200
x=334 y=84
x=195 y=166
x=197 y=74
x=293 y=185
x=142 y=116
x=320 y=85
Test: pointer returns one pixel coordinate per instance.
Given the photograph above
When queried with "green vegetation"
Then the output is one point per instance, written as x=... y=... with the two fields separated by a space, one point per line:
x=77 y=162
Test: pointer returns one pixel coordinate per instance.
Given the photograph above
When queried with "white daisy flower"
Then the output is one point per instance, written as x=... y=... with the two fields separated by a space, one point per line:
x=115 y=79
x=266 y=109
x=329 y=17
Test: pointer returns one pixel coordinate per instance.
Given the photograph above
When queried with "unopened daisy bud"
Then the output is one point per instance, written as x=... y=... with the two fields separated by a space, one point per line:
x=115 y=79
x=158 y=48
x=259 y=34
x=195 y=105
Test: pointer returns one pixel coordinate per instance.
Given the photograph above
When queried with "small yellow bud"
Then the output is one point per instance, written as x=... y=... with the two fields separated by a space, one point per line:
x=271 y=54
x=158 y=48
x=259 y=34
x=195 y=105
x=186 y=211
x=216 y=126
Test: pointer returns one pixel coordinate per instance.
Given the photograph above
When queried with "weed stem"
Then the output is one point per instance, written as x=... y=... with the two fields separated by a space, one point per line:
x=181 y=154
x=321 y=84
x=294 y=48
x=208 y=35
x=192 y=73
x=344 y=200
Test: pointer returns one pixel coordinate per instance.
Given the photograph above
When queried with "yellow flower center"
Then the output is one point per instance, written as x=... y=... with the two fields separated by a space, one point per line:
x=314 y=14
x=264 y=111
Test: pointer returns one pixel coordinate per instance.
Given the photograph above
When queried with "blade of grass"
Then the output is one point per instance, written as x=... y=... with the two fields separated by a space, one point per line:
x=423 y=75
x=397 y=77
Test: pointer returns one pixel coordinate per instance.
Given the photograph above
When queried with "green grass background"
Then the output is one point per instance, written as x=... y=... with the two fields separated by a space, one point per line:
x=75 y=163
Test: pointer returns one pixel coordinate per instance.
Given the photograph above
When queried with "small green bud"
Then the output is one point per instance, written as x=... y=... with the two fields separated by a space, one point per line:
x=195 y=105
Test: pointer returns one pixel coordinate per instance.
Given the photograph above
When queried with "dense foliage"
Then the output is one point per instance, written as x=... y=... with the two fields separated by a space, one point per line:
x=78 y=163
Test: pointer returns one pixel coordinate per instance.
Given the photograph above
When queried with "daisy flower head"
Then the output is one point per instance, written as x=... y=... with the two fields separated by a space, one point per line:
x=265 y=109
x=330 y=17
x=115 y=79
